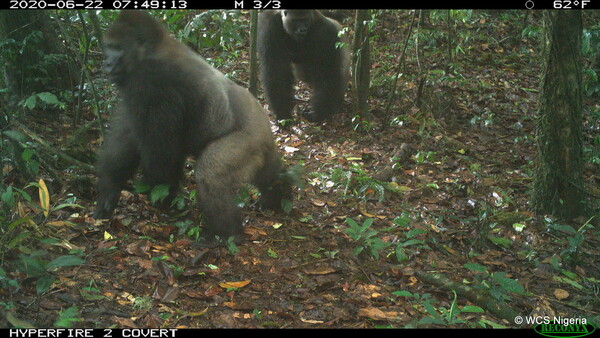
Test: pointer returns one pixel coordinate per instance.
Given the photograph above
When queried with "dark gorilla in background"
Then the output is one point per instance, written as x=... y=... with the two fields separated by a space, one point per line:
x=304 y=42
x=175 y=105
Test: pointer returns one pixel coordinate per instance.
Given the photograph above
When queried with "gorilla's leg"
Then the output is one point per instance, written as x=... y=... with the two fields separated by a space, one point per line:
x=272 y=185
x=221 y=169
x=163 y=165
x=327 y=97
x=278 y=81
x=118 y=162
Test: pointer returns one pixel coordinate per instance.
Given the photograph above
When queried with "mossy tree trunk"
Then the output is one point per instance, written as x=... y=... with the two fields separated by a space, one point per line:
x=558 y=187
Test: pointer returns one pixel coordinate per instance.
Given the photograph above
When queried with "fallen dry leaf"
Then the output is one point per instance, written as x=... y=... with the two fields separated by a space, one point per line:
x=561 y=294
x=377 y=314
x=320 y=271
x=227 y=285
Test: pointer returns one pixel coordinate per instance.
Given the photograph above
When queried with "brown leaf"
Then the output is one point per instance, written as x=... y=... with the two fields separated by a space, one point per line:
x=125 y=322
x=227 y=285
x=561 y=294
x=243 y=306
x=139 y=248
x=377 y=314
x=166 y=294
x=152 y=320
x=212 y=291
x=171 y=294
x=318 y=203
x=254 y=232
x=320 y=270
x=167 y=271
x=145 y=263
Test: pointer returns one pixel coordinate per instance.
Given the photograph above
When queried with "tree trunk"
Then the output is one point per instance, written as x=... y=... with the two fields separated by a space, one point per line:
x=361 y=63
x=253 y=81
x=558 y=187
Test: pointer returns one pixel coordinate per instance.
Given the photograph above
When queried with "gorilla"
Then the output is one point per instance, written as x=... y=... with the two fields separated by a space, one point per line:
x=175 y=105
x=302 y=44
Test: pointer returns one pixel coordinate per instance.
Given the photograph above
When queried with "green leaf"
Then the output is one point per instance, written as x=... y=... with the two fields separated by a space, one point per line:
x=159 y=193
x=44 y=283
x=518 y=227
x=30 y=102
x=504 y=242
x=402 y=293
x=67 y=317
x=49 y=98
x=366 y=224
x=401 y=256
x=475 y=267
x=511 y=285
x=17 y=239
x=67 y=260
x=410 y=242
x=415 y=232
x=15 y=135
x=471 y=308
x=272 y=253
x=352 y=223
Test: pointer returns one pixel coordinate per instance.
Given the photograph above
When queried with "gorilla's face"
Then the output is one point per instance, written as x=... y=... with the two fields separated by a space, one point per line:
x=297 y=23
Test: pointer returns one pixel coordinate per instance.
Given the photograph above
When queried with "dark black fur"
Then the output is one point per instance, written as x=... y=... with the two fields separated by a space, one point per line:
x=304 y=42
x=176 y=105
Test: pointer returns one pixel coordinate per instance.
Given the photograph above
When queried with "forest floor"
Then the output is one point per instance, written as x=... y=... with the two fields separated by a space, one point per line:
x=456 y=204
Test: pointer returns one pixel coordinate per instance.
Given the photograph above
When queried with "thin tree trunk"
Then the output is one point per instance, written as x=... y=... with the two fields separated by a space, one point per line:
x=253 y=81
x=361 y=63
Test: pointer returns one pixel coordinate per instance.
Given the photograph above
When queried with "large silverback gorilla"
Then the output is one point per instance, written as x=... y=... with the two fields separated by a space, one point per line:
x=175 y=105
x=304 y=42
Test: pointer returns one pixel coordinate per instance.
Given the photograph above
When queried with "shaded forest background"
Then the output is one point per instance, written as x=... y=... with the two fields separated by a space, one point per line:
x=416 y=212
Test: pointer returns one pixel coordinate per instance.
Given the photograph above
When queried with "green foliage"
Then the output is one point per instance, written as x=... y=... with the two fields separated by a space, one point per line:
x=365 y=238
x=35 y=266
x=187 y=227
x=232 y=248
x=6 y=282
x=590 y=46
x=574 y=239
x=411 y=244
x=142 y=304
x=159 y=193
x=41 y=101
x=358 y=183
x=591 y=151
x=21 y=234
x=36 y=71
x=214 y=28
x=484 y=120
x=91 y=292
x=68 y=317
x=496 y=283
x=437 y=317
x=16 y=149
